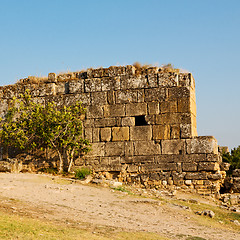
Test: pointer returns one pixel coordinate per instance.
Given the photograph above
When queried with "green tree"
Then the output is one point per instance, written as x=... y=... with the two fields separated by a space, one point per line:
x=233 y=158
x=29 y=125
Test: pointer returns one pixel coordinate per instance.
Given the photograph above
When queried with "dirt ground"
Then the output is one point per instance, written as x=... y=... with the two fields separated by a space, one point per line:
x=60 y=200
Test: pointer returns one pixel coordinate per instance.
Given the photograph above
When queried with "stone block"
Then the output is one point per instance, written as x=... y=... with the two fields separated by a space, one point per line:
x=120 y=133
x=117 y=110
x=128 y=121
x=127 y=96
x=114 y=149
x=105 y=134
x=111 y=97
x=88 y=123
x=128 y=148
x=98 y=149
x=205 y=144
x=178 y=92
x=136 y=109
x=60 y=88
x=173 y=118
x=76 y=86
x=213 y=158
x=111 y=83
x=148 y=167
x=190 y=167
x=52 y=77
x=96 y=134
x=83 y=97
x=152 y=80
x=155 y=94
x=94 y=112
x=132 y=82
x=98 y=98
x=175 y=132
x=196 y=176
x=183 y=105
x=167 y=79
x=146 y=148
x=93 y=85
x=105 y=122
x=208 y=166
x=88 y=134
x=185 y=130
x=141 y=133
x=174 y=146
x=132 y=168
x=150 y=119
x=161 y=132
x=153 y=108
x=138 y=159
x=140 y=95
x=194 y=158
x=168 y=106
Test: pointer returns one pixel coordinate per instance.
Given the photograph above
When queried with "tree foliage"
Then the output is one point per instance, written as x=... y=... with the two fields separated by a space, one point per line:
x=233 y=158
x=29 y=125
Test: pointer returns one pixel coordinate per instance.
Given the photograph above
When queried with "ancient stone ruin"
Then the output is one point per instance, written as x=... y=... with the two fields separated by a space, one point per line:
x=141 y=122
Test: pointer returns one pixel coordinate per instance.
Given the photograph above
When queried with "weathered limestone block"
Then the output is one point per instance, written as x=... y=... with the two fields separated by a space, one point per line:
x=52 y=77
x=208 y=166
x=146 y=148
x=159 y=167
x=132 y=168
x=88 y=134
x=196 y=176
x=136 y=109
x=43 y=89
x=175 y=132
x=167 y=158
x=94 y=112
x=206 y=144
x=96 y=134
x=105 y=134
x=128 y=121
x=98 y=98
x=128 y=148
x=93 y=85
x=213 y=158
x=155 y=94
x=141 y=133
x=70 y=99
x=98 y=149
x=120 y=133
x=105 y=122
x=112 y=83
x=114 y=149
x=161 y=132
x=116 y=71
x=111 y=97
x=174 y=146
x=140 y=95
x=193 y=107
x=138 y=159
x=186 y=130
x=189 y=167
x=168 y=106
x=167 y=79
x=76 y=86
x=88 y=123
x=173 y=118
x=194 y=158
x=178 y=92
x=3 y=107
x=60 y=88
x=186 y=80
x=128 y=82
x=117 y=110
x=152 y=80
x=153 y=108
x=127 y=96
x=150 y=119
x=183 y=105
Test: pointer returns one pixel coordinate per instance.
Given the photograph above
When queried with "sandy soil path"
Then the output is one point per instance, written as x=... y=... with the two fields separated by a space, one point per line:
x=55 y=199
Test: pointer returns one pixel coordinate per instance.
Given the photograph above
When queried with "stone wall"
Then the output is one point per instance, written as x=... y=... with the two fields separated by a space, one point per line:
x=141 y=123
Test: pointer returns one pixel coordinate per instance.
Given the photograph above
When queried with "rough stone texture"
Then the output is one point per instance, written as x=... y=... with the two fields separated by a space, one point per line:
x=141 y=123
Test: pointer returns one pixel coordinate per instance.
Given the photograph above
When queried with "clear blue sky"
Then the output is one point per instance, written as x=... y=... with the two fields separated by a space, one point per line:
x=202 y=36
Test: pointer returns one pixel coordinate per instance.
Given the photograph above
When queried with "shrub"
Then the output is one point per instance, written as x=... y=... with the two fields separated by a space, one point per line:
x=82 y=173
x=233 y=158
